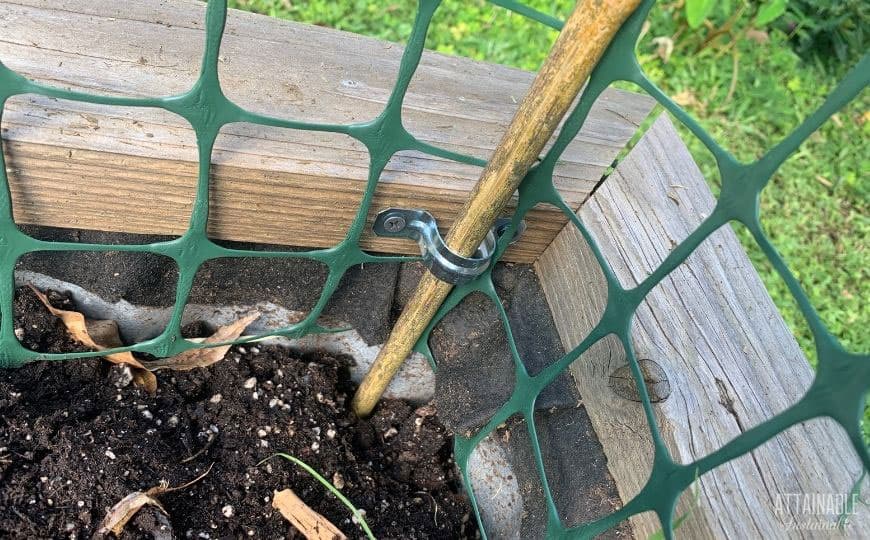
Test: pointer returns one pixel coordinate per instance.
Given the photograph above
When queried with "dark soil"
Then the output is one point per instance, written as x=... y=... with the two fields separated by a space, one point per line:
x=77 y=436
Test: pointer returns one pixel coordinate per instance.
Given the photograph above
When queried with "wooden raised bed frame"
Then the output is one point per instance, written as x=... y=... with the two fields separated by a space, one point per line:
x=729 y=358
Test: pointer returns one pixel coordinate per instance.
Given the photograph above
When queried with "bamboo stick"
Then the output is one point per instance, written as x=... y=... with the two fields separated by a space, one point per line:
x=582 y=42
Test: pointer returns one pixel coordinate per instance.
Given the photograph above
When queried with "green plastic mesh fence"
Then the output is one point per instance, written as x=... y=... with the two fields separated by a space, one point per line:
x=842 y=378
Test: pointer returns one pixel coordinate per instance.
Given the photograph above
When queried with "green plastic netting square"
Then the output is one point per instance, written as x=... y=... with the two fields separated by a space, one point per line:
x=842 y=379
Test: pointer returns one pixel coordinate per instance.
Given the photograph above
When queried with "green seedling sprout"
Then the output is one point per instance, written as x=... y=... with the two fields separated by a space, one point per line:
x=328 y=485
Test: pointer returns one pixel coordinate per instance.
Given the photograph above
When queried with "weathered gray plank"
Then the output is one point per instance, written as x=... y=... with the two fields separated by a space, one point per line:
x=272 y=185
x=730 y=360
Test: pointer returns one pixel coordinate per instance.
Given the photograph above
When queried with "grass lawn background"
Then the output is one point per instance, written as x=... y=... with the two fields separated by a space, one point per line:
x=747 y=88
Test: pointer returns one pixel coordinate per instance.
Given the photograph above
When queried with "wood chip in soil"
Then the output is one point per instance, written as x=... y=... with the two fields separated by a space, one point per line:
x=77 y=437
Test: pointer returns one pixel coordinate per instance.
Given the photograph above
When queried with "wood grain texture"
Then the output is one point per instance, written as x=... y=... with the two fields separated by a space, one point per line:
x=586 y=35
x=312 y=525
x=712 y=327
x=270 y=185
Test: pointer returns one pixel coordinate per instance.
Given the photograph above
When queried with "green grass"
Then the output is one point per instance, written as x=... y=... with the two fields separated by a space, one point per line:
x=358 y=515
x=747 y=92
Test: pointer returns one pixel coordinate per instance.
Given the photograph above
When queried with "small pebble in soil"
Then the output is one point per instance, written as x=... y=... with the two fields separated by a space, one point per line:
x=79 y=446
x=338 y=480
x=125 y=377
x=361 y=513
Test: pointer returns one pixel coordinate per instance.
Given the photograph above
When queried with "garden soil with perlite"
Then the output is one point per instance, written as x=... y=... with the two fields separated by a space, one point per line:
x=76 y=437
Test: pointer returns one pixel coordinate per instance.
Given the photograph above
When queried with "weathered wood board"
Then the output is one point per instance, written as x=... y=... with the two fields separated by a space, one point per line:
x=729 y=358
x=133 y=170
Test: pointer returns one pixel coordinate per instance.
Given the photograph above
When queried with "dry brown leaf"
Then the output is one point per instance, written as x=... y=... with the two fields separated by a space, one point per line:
x=100 y=335
x=124 y=511
x=759 y=36
x=824 y=181
x=196 y=358
x=664 y=47
x=104 y=332
x=687 y=98
x=311 y=524
x=127 y=507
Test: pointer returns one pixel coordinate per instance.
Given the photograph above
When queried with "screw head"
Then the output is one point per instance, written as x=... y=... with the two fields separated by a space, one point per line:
x=394 y=224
